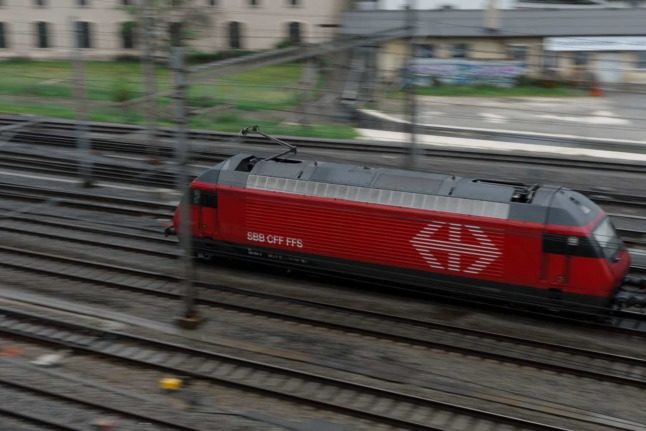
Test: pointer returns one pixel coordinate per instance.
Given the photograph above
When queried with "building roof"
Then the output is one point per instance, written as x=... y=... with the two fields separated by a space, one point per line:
x=512 y=23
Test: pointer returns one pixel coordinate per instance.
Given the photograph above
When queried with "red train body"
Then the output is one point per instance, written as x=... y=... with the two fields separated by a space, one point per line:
x=442 y=232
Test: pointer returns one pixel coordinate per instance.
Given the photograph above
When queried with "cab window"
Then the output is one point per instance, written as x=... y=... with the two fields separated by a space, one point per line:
x=204 y=198
x=607 y=238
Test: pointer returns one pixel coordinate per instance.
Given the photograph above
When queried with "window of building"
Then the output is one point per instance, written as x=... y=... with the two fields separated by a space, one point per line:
x=127 y=31
x=176 y=34
x=518 y=53
x=82 y=3
x=550 y=60
x=3 y=39
x=641 y=59
x=83 y=33
x=235 y=36
x=294 y=33
x=294 y=3
x=211 y=3
x=254 y=3
x=423 y=50
x=126 y=2
x=40 y=3
x=581 y=58
x=459 y=50
x=42 y=35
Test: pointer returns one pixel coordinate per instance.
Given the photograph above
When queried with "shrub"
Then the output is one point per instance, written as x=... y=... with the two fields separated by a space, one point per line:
x=197 y=57
x=285 y=43
x=526 y=81
x=17 y=60
x=202 y=101
x=121 y=91
x=127 y=58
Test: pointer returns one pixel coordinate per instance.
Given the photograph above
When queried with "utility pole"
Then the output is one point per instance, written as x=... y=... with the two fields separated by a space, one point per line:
x=78 y=76
x=492 y=23
x=189 y=318
x=145 y=32
x=411 y=102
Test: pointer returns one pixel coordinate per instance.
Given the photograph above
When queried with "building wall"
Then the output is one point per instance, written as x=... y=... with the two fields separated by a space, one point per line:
x=610 y=67
x=264 y=26
x=438 y=4
x=620 y=67
x=394 y=54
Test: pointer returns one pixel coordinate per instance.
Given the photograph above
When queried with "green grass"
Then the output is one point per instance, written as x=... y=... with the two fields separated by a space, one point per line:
x=38 y=109
x=231 y=122
x=274 y=87
x=491 y=91
x=44 y=88
x=104 y=80
x=266 y=88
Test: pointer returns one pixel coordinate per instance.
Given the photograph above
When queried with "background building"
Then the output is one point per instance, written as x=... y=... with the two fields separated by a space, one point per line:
x=43 y=28
x=500 y=4
x=571 y=43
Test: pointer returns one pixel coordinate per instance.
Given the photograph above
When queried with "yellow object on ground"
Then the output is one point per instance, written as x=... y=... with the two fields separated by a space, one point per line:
x=170 y=384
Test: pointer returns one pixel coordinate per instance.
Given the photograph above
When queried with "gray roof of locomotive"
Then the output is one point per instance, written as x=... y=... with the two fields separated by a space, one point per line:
x=536 y=203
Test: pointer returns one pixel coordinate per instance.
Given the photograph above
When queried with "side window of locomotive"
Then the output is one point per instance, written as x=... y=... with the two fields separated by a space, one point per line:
x=204 y=198
x=607 y=238
x=568 y=245
x=209 y=199
x=196 y=196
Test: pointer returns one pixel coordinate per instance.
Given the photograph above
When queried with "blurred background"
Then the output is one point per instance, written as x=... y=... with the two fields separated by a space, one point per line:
x=325 y=69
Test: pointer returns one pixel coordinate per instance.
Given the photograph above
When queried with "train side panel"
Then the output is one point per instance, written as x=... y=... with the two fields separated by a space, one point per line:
x=407 y=239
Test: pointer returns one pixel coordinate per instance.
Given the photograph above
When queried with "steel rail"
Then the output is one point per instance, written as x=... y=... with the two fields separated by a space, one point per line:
x=232 y=141
x=390 y=327
x=350 y=398
x=30 y=411
x=126 y=129
x=325 y=144
x=334 y=146
x=86 y=200
x=134 y=175
x=101 y=170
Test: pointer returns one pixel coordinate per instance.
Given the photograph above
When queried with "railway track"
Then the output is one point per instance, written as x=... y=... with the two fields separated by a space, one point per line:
x=154 y=177
x=380 y=405
x=107 y=170
x=87 y=201
x=62 y=409
x=431 y=335
x=631 y=228
x=103 y=140
x=61 y=134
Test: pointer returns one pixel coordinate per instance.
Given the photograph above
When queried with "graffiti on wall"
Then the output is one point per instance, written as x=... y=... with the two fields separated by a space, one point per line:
x=424 y=71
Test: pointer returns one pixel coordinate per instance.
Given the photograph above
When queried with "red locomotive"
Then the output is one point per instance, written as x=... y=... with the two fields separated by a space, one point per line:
x=503 y=240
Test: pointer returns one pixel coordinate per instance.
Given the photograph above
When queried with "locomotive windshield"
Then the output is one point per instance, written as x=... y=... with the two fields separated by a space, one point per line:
x=607 y=238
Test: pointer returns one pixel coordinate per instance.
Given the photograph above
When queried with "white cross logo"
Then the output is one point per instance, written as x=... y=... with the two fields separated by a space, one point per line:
x=428 y=245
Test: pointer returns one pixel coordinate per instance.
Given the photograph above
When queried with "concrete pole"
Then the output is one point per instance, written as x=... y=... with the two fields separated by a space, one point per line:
x=78 y=77
x=145 y=32
x=411 y=101
x=491 y=16
x=189 y=318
